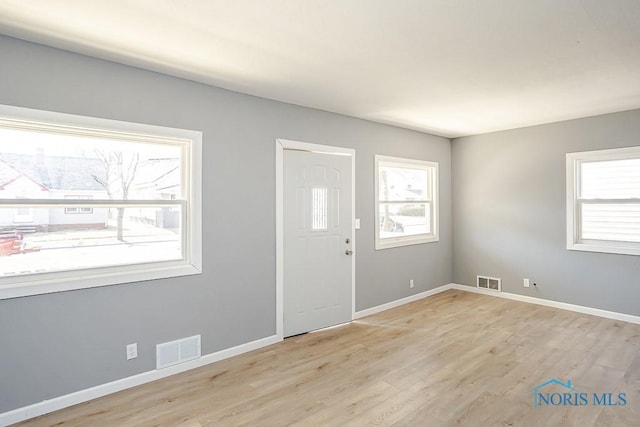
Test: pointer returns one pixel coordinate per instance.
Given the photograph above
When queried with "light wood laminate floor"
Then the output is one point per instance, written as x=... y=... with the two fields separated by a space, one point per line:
x=455 y=358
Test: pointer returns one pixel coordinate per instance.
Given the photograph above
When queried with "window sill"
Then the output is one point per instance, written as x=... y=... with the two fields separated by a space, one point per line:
x=67 y=281
x=398 y=242
x=613 y=248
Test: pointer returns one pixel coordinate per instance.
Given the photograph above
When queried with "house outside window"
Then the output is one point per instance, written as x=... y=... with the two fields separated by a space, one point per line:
x=78 y=210
x=89 y=202
x=603 y=201
x=406 y=211
x=23 y=215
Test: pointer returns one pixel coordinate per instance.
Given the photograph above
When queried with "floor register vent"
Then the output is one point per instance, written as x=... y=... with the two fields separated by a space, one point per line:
x=178 y=351
x=491 y=283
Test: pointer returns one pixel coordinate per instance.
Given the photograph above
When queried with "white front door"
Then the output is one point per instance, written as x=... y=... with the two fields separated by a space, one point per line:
x=317 y=214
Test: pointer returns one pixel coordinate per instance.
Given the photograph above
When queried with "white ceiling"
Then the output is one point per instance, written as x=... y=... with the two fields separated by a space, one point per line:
x=448 y=67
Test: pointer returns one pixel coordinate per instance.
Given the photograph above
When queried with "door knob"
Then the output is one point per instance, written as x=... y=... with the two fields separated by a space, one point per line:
x=348 y=252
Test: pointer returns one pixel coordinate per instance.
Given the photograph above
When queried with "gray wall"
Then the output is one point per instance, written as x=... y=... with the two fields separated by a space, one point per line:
x=509 y=213
x=59 y=343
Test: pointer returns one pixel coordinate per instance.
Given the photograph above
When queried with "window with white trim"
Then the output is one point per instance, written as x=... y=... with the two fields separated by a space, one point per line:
x=406 y=211
x=603 y=201
x=88 y=202
x=78 y=210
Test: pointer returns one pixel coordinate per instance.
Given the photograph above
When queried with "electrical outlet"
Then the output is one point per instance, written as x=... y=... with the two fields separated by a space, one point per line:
x=411 y=283
x=526 y=283
x=132 y=351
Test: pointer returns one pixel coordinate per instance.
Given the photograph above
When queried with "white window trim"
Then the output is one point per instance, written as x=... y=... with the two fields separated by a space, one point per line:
x=13 y=287
x=78 y=209
x=573 y=161
x=394 y=242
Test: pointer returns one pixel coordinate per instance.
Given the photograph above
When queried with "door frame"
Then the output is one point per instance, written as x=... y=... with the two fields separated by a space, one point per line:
x=286 y=144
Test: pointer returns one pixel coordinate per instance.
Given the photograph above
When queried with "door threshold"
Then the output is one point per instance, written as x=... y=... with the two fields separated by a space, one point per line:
x=331 y=327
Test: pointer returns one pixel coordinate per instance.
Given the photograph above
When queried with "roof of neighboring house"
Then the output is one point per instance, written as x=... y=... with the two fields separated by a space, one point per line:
x=54 y=173
x=161 y=175
x=9 y=175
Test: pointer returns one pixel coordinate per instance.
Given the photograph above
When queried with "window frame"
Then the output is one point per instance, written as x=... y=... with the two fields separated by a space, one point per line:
x=23 y=218
x=574 y=202
x=78 y=210
x=62 y=123
x=432 y=168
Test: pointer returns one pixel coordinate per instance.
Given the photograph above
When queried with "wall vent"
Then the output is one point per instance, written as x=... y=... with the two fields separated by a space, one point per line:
x=491 y=283
x=178 y=351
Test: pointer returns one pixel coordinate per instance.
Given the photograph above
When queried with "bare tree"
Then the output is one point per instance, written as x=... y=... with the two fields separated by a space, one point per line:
x=106 y=159
x=119 y=173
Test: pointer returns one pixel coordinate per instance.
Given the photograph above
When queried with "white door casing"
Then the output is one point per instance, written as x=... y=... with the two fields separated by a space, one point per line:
x=315 y=268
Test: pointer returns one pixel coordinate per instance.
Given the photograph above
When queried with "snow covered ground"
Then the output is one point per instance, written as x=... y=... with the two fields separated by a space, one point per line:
x=75 y=249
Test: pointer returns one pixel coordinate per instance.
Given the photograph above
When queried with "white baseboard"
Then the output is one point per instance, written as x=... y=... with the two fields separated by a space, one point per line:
x=549 y=303
x=515 y=297
x=81 y=396
x=377 y=309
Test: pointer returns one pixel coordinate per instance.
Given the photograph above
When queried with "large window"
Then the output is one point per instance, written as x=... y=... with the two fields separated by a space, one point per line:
x=88 y=202
x=406 y=202
x=603 y=201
